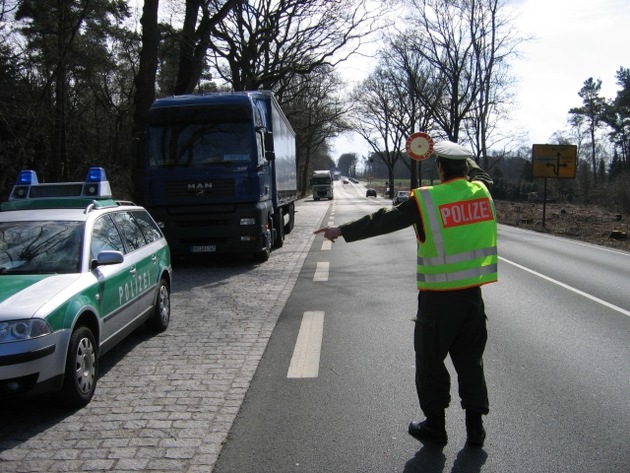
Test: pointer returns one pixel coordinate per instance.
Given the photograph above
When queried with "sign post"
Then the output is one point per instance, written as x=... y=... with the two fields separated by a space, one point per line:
x=555 y=161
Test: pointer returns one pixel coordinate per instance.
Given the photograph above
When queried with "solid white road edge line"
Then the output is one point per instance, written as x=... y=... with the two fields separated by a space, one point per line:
x=308 y=346
x=577 y=291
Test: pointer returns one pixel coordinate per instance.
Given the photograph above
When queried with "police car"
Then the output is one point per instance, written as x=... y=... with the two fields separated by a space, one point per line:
x=79 y=271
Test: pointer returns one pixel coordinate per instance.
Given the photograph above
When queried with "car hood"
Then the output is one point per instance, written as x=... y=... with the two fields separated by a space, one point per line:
x=22 y=295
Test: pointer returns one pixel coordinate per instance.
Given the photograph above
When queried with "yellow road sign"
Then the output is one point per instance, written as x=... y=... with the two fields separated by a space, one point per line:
x=556 y=161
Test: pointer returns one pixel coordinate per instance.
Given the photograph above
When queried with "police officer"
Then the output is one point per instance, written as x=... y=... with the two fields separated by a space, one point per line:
x=456 y=229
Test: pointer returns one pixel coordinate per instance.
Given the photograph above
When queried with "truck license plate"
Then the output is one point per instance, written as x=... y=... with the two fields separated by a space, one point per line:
x=203 y=249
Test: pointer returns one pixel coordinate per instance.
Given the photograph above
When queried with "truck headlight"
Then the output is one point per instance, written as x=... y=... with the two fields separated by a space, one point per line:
x=15 y=330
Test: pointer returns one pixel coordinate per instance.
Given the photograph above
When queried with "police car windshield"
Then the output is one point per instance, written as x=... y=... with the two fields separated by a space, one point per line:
x=40 y=247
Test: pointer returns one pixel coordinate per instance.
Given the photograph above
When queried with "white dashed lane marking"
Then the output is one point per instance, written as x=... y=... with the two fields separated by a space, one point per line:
x=307 y=350
x=321 y=271
x=306 y=353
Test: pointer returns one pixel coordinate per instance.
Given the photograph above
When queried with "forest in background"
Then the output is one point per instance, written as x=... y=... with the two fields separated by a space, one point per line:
x=78 y=77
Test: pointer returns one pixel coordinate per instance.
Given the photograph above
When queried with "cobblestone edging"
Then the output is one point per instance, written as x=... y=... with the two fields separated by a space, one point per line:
x=167 y=402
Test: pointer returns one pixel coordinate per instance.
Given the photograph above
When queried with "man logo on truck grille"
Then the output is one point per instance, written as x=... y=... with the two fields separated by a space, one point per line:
x=200 y=188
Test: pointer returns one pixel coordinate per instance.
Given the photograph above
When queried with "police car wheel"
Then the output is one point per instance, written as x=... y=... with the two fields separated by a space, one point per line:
x=81 y=368
x=162 y=315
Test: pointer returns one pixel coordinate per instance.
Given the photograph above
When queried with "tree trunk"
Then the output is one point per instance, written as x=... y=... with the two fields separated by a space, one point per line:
x=145 y=93
x=195 y=43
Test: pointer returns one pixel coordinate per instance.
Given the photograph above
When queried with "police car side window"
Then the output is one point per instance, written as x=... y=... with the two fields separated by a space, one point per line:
x=149 y=228
x=132 y=233
x=105 y=236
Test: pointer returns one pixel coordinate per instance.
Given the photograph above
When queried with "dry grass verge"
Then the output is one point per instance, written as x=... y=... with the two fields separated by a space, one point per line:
x=589 y=224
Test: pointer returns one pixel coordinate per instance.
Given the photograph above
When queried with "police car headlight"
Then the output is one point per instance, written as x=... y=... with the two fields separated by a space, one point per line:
x=15 y=330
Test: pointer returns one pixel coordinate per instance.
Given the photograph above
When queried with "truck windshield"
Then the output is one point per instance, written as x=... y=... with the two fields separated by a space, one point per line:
x=195 y=145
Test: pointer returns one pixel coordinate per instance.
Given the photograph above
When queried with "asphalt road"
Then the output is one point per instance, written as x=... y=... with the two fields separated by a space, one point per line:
x=557 y=364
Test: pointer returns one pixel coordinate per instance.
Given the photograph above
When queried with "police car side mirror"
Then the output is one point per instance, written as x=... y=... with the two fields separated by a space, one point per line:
x=107 y=257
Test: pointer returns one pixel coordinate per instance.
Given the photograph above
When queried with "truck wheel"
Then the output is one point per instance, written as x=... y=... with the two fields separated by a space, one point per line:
x=162 y=312
x=291 y=223
x=263 y=255
x=79 y=381
x=279 y=230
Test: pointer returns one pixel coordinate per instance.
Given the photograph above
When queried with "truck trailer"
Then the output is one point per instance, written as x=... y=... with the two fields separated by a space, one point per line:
x=323 y=185
x=220 y=173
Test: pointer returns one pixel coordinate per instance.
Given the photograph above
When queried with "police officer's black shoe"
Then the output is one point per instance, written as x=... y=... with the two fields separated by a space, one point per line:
x=424 y=432
x=474 y=429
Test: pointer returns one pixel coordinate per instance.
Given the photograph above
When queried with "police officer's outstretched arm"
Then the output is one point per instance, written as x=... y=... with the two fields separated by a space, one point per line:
x=384 y=220
x=331 y=233
x=475 y=173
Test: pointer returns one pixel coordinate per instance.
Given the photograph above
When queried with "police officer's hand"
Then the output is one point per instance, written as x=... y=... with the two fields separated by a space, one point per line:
x=332 y=233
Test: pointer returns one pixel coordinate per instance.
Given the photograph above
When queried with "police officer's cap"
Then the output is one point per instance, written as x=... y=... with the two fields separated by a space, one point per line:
x=450 y=150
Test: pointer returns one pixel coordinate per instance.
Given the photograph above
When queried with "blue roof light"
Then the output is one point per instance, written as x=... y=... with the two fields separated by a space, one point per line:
x=96 y=175
x=27 y=178
x=95 y=186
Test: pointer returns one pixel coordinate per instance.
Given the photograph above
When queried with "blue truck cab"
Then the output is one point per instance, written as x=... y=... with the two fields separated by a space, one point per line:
x=220 y=174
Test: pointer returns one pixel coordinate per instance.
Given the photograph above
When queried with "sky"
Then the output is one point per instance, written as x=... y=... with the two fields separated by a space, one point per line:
x=572 y=40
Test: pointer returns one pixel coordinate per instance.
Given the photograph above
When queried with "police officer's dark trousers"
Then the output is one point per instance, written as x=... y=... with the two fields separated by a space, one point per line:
x=450 y=323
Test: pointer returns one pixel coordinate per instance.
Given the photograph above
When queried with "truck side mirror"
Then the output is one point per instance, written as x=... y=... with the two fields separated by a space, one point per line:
x=270 y=154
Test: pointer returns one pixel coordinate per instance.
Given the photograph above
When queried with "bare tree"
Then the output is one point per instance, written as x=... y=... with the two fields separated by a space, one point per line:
x=381 y=116
x=464 y=46
x=442 y=42
x=414 y=86
x=494 y=42
x=266 y=43
x=195 y=39
x=316 y=113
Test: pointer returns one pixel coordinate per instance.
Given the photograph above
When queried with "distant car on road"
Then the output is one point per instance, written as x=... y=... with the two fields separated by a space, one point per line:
x=370 y=192
x=401 y=197
x=79 y=271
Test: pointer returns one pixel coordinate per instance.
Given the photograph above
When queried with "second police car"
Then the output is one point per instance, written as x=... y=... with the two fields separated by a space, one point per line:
x=79 y=271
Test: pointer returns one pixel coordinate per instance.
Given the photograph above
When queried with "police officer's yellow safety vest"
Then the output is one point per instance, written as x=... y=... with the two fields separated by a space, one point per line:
x=460 y=244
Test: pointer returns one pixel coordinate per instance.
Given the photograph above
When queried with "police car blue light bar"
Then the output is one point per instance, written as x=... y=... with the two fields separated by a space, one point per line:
x=95 y=186
x=27 y=178
x=96 y=175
